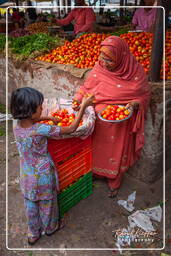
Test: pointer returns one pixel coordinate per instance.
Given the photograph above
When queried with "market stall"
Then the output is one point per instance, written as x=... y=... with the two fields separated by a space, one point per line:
x=58 y=67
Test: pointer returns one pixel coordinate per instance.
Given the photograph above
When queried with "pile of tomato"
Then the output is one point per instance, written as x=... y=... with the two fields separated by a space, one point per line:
x=65 y=119
x=115 y=112
x=168 y=56
x=83 y=52
x=140 y=45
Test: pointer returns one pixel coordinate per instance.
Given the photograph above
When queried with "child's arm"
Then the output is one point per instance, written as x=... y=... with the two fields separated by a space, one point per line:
x=69 y=129
x=54 y=119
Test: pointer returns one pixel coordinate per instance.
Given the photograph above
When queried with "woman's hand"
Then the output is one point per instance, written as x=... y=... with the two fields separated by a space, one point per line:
x=76 y=105
x=132 y=105
x=88 y=101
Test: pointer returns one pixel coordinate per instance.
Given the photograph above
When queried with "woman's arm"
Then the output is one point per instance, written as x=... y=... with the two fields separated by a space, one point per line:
x=65 y=21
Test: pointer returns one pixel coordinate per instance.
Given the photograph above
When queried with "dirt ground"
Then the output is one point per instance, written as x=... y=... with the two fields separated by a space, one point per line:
x=89 y=224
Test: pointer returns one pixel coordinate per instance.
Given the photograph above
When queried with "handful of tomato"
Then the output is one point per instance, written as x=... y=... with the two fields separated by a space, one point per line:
x=50 y=122
x=115 y=112
x=65 y=119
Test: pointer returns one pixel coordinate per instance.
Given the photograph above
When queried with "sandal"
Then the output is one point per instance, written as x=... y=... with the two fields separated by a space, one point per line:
x=61 y=225
x=33 y=240
x=113 y=193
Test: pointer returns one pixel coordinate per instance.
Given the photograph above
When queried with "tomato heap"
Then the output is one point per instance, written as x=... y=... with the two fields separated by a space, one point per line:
x=114 y=112
x=82 y=52
x=140 y=44
x=65 y=118
x=167 y=56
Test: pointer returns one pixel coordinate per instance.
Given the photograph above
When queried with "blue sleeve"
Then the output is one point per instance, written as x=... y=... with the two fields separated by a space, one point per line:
x=48 y=130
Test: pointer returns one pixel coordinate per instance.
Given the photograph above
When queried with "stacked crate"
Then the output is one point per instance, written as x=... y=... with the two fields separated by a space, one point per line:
x=73 y=160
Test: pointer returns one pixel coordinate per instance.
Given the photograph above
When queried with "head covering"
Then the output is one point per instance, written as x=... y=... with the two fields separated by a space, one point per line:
x=118 y=50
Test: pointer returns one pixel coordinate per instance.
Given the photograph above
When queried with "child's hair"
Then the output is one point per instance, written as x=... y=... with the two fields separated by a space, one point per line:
x=24 y=102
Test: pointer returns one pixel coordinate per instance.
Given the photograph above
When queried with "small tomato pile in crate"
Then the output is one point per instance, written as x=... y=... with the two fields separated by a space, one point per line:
x=115 y=113
x=65 y=118
x=71 y=154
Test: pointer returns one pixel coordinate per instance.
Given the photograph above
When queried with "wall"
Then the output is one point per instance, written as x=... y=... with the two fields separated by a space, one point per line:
x=51 y=82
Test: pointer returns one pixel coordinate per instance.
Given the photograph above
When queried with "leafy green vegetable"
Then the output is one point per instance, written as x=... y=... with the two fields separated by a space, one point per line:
x=2 y=42
x=27 y=46
x=2 y=131
x=2 y=108
x=120 y=31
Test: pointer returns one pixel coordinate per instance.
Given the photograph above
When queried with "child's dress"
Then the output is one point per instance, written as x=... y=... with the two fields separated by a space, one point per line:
x=38 y=179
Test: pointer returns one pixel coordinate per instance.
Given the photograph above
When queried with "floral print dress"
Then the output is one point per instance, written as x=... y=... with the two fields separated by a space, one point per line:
x=38 y=177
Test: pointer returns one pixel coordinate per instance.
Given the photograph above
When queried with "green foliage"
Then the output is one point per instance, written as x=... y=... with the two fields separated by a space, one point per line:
x=2 y=108
x=27 y=46
x=120 y=32
x=29 y=253
x=2 y=131
x=2 y=42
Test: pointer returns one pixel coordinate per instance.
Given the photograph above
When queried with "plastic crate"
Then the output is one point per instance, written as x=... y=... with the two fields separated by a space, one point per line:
x=63 y=148
x=72 y=158
x=75 y=167
x=72 y=195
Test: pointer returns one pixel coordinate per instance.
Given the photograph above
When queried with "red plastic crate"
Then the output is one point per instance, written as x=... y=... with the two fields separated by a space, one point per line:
x=74 y=168
x=64 y=148
x=72 y=158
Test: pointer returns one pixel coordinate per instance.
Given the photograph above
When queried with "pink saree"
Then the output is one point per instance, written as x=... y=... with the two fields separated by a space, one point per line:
x=116 y=146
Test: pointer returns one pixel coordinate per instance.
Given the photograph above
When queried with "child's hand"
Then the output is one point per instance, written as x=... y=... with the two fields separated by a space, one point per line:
x=55 y=120
x=87 y=101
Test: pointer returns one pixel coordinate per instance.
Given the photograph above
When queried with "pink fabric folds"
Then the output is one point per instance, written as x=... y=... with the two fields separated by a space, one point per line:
x=144 y=19
x=117 y=146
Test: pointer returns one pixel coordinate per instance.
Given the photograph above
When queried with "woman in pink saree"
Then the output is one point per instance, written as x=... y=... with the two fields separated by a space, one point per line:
x=117 y=78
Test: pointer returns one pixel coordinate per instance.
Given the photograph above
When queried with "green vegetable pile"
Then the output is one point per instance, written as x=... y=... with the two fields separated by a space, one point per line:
x=32 y=45
x=120 y=32
x=2 y=42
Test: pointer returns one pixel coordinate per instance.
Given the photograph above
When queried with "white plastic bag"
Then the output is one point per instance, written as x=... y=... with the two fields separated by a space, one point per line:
x=89 y=117
x=141 y=220
x=128 y=204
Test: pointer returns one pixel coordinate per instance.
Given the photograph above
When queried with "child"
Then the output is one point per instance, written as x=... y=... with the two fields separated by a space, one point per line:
x=37 y=176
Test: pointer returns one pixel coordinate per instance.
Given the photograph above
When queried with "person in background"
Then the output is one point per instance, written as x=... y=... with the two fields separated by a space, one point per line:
x=32 y=15
x=144 y=18
x=22 y=20
x=117 y=78
x=38 y=178
x=16 y=18
x=100 y=16
x=84 y=18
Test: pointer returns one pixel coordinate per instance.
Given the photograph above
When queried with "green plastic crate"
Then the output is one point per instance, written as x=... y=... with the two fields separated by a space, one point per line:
x=76 y=192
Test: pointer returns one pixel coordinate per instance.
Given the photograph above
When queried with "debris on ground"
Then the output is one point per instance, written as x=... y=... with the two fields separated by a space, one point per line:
x=140 y=228
x=4 y=117
x=128 y=204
